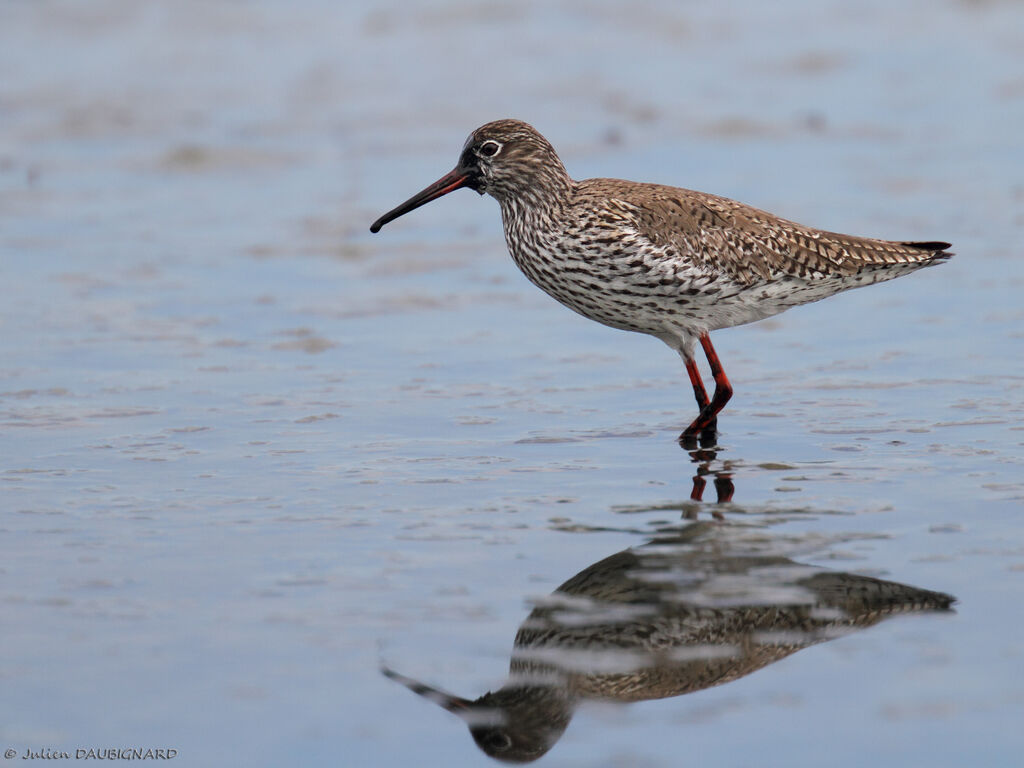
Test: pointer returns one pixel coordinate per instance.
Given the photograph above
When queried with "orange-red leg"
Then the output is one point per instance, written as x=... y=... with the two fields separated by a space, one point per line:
x=707 y=418
x=698 y=386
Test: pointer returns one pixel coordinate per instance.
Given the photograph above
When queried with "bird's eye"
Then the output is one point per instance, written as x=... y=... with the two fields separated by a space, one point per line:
x=498 y=741
x=490 y=148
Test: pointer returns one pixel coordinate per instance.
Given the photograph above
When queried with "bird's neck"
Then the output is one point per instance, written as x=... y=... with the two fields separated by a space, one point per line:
x=539 y=204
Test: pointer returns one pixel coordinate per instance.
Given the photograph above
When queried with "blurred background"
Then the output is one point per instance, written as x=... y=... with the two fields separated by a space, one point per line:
x=250 y=452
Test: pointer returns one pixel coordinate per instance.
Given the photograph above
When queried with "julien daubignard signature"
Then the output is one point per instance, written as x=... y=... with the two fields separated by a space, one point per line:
x=104 y=753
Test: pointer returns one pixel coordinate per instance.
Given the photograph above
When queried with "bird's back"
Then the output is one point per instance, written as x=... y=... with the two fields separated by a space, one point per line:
x=730 y=239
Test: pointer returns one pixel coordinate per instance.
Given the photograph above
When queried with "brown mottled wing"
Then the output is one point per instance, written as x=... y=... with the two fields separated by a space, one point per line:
x=748 y=244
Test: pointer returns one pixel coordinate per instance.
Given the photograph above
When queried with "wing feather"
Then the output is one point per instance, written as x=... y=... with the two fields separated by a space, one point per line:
x=721 y=235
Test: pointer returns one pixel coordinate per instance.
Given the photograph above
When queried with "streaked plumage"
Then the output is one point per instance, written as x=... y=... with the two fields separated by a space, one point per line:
x=679 y=615
x=670 y=262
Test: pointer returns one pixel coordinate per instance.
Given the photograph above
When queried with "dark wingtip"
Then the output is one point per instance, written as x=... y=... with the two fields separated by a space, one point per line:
x=935 y=251
x=931 y=245
x=375 y=227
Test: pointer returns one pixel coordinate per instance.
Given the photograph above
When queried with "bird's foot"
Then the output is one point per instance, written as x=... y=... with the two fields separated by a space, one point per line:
x=700 y=434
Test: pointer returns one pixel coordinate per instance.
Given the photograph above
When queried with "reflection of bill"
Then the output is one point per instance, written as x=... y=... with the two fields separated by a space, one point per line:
x=675 y=616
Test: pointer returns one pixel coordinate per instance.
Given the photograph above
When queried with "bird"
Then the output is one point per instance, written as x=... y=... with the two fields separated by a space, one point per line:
x=673 y=263
x=692 y=608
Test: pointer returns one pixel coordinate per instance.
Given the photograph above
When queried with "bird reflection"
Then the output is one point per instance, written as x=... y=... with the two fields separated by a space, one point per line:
x=692 y=609
x=705 y=459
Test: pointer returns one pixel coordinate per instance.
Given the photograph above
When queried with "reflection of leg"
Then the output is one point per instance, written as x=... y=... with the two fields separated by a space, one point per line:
x=707 y=420
x=724 y=490
x=702 y=458
x=724 y=487
x=699 y=483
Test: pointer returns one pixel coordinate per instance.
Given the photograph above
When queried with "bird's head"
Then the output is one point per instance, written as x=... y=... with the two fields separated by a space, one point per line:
x=507 y=159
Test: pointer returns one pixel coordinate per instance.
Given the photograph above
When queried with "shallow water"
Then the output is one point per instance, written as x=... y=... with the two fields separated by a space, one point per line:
x=250 y=453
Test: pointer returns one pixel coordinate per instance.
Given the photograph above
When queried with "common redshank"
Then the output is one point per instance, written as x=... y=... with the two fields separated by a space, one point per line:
x=673 y=263
x=683 y=613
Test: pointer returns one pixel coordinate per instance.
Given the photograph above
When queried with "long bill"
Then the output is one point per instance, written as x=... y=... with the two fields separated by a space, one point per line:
x=459 y=177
